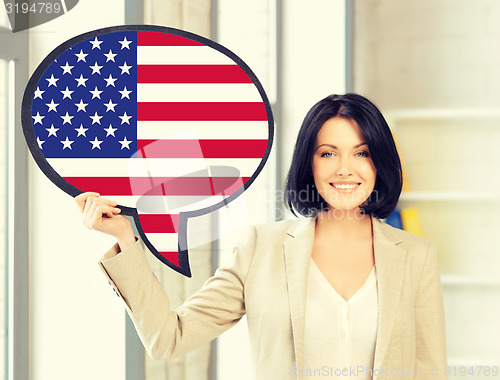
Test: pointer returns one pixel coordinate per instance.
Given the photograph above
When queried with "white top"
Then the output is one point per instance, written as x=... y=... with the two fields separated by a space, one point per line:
x=339 y=335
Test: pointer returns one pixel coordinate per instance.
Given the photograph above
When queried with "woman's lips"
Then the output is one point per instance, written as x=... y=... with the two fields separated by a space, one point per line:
x=345 y=187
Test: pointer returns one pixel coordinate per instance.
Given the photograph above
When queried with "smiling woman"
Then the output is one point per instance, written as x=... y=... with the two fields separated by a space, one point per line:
x=338 y=289
x=344 y=141
x=344 y=175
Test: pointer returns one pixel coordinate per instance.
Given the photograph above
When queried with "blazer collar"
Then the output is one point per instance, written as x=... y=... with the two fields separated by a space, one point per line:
x=389 y=260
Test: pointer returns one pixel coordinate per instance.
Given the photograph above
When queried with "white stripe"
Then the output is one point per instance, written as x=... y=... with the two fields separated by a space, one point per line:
x=166 y=204
x=218 y=130
x=163 y=241
x=196 y=92
x=153 y=167
x=181 y=55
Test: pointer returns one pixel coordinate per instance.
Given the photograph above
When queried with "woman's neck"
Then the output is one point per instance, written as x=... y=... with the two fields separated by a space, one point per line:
x=344 y=222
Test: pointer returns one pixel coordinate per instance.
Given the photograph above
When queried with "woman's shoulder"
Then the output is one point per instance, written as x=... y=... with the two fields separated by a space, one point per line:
x=404 y=238
x=274 y=231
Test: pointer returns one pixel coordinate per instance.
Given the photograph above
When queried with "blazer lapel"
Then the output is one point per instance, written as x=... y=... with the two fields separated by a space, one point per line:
x=297 y=250
x=389 y=260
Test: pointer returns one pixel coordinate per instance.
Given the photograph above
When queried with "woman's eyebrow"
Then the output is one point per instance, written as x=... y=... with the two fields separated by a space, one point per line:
x=334 y=147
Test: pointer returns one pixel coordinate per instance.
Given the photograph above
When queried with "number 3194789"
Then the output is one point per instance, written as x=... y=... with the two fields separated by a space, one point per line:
x=33 y=8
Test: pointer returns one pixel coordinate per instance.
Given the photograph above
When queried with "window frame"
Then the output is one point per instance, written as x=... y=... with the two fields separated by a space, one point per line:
x=15 y=51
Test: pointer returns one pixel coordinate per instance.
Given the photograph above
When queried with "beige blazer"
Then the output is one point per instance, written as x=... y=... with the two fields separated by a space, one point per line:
x=266 y=280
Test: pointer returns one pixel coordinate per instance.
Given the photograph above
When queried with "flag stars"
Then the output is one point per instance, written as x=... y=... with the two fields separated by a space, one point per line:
x=110 y=81
x=96 y=93
x=52 y=106
x=125 y=68
x=81 y=56
x=96 y=69
x=52 y=81
x=38 y=118
x=125 y=93
x=67 y=68
x=40 y=142
x=96 y=144
x=66 y=93
x=110 y=106
x=110 y=56
x=81 y=106
x=96 y=119
x=125 y=143
x=38 y=93
x=125 y=118
x=67 y=118
x=81 y=81
x=81 y=131
x=67 y=143
x=125 y=43
x=110 y=131
x=52 y=131
x=96 y=44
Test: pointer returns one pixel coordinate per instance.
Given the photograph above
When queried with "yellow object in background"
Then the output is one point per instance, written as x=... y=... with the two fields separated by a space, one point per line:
x=411 y=220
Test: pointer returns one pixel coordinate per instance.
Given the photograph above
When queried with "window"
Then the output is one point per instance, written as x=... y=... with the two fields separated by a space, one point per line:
x=13 y=199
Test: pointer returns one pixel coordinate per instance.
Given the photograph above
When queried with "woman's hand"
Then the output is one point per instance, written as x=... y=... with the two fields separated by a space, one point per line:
x=102 y=215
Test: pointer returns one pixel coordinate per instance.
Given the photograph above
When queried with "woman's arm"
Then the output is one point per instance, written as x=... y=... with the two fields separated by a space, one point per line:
x=430 y=320
x=166 y=333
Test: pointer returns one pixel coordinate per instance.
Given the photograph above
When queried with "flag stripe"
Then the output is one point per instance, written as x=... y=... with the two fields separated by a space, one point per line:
x=201 y=148
x=163 y=241
x=165 y=167
x=197 y=92
x=181 y=55
x=160 y=223
x=164 y=39
x=203 y=130
x=191 y=74
x=172 y=256
x=151 y=204
x=195 y=111
x=147 y=186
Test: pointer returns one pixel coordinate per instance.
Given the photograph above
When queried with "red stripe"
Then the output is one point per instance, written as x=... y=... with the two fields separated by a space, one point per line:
x=159 y=223
x=220 y=111
x=173 y=257
x=163 y=39
x=149 y=186
x=201 y=148
x=191 y=74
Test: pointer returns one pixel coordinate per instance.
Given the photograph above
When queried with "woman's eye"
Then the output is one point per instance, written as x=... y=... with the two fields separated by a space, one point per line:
x=327 y=154
x=363 y=154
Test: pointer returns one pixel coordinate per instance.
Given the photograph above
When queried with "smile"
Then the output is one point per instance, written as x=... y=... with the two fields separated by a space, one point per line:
x=345 y=186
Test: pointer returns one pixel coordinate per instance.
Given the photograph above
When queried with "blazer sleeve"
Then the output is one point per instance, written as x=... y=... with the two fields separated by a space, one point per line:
x=167 y=333
x=430 y=320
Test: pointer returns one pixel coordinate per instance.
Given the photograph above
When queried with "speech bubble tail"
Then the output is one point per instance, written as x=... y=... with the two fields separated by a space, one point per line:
x=176 y=260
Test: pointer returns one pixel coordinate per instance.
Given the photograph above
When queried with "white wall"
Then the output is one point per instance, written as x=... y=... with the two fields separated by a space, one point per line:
x=313 y=63
x=77 y=323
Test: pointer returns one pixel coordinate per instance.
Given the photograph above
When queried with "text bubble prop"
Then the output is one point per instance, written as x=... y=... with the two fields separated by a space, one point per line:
x=170 y=124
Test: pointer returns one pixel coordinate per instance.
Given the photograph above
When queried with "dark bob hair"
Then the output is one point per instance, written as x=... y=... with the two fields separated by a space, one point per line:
x=300 y=193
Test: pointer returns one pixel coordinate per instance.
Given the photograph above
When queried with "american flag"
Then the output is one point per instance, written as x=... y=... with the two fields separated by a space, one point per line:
x=160 y=122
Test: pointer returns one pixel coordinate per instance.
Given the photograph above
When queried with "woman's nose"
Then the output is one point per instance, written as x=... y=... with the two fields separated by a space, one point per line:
x=344 y=167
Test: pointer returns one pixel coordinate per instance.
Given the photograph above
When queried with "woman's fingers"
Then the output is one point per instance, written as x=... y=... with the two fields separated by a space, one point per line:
x=85 y=200
x=96 y=209
x=97 y=214
x=81 y=199
x=102 y=215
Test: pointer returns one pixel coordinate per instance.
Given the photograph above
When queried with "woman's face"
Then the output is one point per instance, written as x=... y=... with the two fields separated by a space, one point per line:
x=343 y=171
